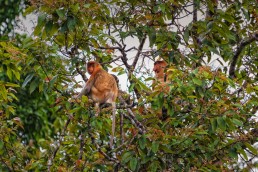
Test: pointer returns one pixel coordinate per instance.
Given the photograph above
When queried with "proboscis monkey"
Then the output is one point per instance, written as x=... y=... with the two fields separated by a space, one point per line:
x=160 y=75
x=161 y=81
x=101 y=88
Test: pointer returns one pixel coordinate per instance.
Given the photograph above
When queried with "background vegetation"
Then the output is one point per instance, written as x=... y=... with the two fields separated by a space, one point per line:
x=211 y=122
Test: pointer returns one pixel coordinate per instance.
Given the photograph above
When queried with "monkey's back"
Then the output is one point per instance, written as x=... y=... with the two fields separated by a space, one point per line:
x=106 y=86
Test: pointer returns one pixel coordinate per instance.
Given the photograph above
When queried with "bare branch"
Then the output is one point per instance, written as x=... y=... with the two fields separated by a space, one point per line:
x=124 y=56
x=85 y=79
x=194 y=11
x=131 y=116
x=136 y=58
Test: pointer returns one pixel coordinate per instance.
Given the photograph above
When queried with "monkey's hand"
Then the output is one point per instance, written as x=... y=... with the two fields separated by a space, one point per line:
x=87 y=90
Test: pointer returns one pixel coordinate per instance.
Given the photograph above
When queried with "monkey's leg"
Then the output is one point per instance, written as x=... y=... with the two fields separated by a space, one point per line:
x=113 y=123
x=97 y=109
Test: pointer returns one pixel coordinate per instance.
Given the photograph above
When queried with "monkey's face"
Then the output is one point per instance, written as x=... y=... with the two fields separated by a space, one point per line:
x=158 y=69
x=90 y=69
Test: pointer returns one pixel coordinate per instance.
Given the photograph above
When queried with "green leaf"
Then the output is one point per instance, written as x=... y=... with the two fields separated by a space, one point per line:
x=13 y=159
x=242 y=151
x=186 y=35
x=127 y=156
x=237 y=122
x=71 y=22
x=233 y=152
x=142 y=142
x=84 y=99
x=229 y=18
x=8 y=84
x=61 y=13
x=152 y=36
x=75 y=8
x=131 y=87
x=154 y=166
x=166 y=149
x=162 y=7
x=54 y=29
x=33 y=85
x=1 y=144
x=246 y=14
x=38 y=29
x=143 y=86
x=210 y=6
x=155 y=146
x=27 y=80
x=87 y=5
x=48 y=27
x=42 y=19
x=214 y=50
x=221 y=123
x=29 y=10
x=133 y=163
x=52 y=81
x=9 y=73
x=251 y=148
x=197 y=81
x=16 y=74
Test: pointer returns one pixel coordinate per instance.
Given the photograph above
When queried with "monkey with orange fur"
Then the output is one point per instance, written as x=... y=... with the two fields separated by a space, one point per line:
x=160 y=75
x=101 y=88
x=161 y=83
x=159 y=70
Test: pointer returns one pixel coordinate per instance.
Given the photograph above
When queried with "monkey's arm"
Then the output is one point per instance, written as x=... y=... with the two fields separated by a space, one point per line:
x=83 y=92
x=86 y=89
x=88 y=85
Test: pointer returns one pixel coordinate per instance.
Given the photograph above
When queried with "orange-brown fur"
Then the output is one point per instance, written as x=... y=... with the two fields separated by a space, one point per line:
x=101 y=88
x=161 y=83
x=160 y=75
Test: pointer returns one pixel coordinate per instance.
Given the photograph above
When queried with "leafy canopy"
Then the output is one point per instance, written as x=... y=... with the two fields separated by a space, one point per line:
x=206 y=121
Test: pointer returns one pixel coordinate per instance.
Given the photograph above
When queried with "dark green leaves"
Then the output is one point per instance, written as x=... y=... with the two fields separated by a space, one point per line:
x=142 y=142
x=221 y=123
x=71 y=23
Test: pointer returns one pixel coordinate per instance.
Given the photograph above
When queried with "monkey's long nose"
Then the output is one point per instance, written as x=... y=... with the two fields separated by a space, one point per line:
x=156 y=70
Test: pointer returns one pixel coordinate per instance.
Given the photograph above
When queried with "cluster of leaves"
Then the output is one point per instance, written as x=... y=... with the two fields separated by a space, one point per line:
x=204 y=122
x=12 y=150
x=202 y=107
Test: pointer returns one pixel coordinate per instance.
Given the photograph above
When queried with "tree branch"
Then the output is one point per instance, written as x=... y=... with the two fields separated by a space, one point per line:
x=85 y=79
x=240 y=48
x=136 y=58
x=131 y=116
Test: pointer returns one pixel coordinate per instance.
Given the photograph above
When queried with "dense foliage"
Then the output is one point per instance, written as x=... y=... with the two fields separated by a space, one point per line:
x=210 y=108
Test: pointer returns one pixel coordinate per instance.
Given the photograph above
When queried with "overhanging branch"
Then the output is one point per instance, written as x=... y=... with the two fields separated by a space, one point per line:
x=240 y=48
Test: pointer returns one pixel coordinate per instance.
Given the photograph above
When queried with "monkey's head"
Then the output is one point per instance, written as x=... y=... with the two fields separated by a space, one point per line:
x=159 y=67
x=93 y=66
